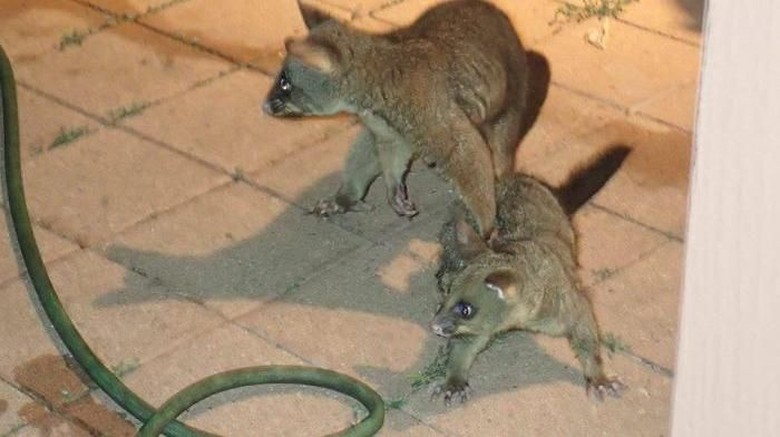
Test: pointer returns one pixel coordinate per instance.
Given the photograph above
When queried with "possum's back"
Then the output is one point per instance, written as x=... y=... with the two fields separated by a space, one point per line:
x=528 y=210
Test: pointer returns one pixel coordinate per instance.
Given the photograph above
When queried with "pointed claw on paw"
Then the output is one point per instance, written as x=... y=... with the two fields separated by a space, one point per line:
x=327 y=208
x=459 y=392
x=600 y=389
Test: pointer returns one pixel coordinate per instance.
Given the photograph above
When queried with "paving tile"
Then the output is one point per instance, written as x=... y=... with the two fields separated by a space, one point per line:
x=399 y=423
x=530 y=18
x=521 y=388
x=240 y=136
x=107 y=182
x=607 y=243
x=368 y=317
x=676 y=106
x=234 y=248
x=651 y=186
x=679 y=18
x=641 y=304
x=324 y=164
x=30 y=28
x=244 y=30
x=21 y=352
x=120 y=67
x=286 y=410
x=635 y=65
x=125 y=317
x=50 y=245
x=45 y=125
x=131 y=8
x=12 y=404
x=563 y=117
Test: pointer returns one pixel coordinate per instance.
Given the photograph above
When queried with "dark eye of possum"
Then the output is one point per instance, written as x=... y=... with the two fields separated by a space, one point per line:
x=464 y=309
x=284 y=82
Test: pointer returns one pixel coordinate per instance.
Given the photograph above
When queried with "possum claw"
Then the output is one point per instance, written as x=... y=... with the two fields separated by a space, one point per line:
x=460 y=392
x=401 y=203
x=600 y=388
x=327 y=208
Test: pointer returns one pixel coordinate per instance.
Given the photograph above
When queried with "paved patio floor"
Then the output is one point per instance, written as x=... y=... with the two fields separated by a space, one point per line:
x=172 y=215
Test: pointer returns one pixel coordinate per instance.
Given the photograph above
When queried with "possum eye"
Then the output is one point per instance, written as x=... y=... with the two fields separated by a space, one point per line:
x=464 y=309
x=284 y=82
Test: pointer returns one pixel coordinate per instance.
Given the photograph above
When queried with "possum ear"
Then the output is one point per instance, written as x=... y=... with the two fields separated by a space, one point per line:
x=470 y=244
x=312 y=17
x=314 y=55
x=503 y=282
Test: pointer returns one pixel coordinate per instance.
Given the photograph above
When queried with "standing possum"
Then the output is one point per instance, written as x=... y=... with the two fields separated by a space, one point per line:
x=451 y=88
x=524 y=277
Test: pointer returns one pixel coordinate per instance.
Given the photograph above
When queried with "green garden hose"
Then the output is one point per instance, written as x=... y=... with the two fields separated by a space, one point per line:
x=163 y=419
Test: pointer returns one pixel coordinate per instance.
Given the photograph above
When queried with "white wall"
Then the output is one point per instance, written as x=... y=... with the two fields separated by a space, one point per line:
x=728 y=372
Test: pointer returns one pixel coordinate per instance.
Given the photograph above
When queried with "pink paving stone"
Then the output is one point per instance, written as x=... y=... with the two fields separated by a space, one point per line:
x=50 y=245
x=641 y=304
x=130 y=7
x=530 y=18
x=676 y=106
x=679 y=18
x=42 y=122
x=107 y=182
x=31 y=28
x=243 y=30
x=608 y=243
x=250 y=249
x=238 y=135
x=635 y=66
x=120 y=67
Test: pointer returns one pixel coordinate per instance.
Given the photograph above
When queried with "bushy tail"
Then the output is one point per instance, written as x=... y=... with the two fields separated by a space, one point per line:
x=590 y=178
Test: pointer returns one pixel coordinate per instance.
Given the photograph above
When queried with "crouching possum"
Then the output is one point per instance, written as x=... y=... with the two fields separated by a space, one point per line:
x=451 y=88
x=524 y=277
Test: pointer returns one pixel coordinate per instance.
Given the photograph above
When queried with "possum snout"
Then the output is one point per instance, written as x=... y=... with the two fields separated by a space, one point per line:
x=443 y=327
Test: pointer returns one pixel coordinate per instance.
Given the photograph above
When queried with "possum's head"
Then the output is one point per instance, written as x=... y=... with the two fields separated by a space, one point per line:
x=480 y=298
x=309 y=82
x=479 y=303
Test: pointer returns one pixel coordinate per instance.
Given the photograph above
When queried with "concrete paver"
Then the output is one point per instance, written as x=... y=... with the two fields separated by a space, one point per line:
x=51 y=246
x=120 y=69
x=243 y=30
x=31 y=28
x=107 y=182
x=45 y=126
x=236 y=136
x=183 y=272
x=635 y=65
x=232 y=262
x=324 y=164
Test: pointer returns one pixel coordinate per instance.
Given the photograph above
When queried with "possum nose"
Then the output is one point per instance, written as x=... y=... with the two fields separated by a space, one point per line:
x=442 y=329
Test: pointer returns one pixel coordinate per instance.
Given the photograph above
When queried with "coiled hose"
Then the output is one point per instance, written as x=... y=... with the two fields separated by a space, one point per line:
x=162 y=420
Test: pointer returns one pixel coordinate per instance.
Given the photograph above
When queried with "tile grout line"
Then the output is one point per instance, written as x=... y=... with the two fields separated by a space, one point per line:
x=669 y=235
x=659 y=33
x=625 y=110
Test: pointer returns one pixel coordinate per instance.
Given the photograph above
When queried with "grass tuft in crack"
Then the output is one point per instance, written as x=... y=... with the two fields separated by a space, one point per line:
x=74 y=37
x=68 y=135
x=130 y=110
x=569 y=12
x=436 y=369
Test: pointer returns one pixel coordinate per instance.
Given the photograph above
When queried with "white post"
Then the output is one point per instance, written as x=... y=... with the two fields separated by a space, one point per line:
x=728 y=371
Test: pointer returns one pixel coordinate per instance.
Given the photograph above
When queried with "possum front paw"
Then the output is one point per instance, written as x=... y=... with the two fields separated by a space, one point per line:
x=599 y=387
x=328 y=207
x=401 y=203
x=452 y=389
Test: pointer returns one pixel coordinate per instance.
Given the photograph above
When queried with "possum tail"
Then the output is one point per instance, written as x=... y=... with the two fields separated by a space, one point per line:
x=586 y=181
